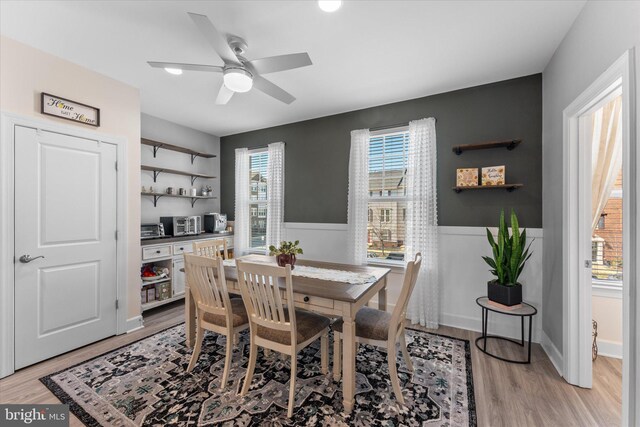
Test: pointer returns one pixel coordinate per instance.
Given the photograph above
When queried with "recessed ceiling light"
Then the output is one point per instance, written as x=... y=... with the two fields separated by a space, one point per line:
x=174 y=71
x=329 y=5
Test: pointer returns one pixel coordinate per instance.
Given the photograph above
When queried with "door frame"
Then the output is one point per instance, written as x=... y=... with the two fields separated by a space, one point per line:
x=8 y=121
x=576 y=348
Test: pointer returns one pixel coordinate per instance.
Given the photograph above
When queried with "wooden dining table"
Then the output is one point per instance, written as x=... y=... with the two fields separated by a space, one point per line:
x=328 y=297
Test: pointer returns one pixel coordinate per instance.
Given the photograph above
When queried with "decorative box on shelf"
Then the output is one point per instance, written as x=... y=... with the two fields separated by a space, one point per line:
x=163 y=291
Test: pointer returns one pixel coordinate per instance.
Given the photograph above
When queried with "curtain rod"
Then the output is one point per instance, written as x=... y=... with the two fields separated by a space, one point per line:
x=259 y=147
x=396 y=125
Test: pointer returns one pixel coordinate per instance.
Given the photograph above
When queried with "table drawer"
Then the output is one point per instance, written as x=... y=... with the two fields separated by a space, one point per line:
x=156 y=252
x=181 y=248
x=311 y=300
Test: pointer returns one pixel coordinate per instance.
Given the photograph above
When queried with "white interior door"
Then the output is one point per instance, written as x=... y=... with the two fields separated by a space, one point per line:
x=65 y=212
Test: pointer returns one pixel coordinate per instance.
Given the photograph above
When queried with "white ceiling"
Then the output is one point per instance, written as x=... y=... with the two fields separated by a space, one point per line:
x=367 y=53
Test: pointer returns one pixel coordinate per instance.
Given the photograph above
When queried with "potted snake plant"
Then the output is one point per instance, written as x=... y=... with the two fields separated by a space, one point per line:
x=508 y=261
x=286 y=253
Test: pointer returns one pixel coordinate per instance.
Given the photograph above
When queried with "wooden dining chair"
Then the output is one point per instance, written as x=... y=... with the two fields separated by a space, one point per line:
x=216 y=311
x=383 y=329
x=211 y=248
x=276 y=326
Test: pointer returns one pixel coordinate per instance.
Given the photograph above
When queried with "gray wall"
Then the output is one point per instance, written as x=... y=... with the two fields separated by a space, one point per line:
x=317 y=153
x=599 y=36
x=173 y=133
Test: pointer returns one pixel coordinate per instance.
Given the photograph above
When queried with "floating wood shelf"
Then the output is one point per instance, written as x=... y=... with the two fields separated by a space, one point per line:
x=509 y=144
x=157 y=196
x=158 y=145
x=508 y=187
x=158 y=170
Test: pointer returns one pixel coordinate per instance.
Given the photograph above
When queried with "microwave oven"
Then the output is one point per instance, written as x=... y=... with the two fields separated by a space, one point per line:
x=181 y=225
x=151 y=231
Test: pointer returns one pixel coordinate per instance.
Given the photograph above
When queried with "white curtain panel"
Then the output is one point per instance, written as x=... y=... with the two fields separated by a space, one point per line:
x=241 y=221
x=422 y=221
x=275 y=188
x=358 y=195
x=606 y=156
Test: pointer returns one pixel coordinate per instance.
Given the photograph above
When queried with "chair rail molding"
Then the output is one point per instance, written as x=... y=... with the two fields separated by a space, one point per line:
x=8 y=122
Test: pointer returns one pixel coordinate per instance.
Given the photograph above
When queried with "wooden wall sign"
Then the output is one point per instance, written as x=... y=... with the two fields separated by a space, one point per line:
x=70 y=110
x=467 y=177
x=493 y=175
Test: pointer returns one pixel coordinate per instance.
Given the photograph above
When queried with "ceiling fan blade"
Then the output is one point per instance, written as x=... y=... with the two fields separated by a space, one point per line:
x=186 y=67
x=273 y=90
x=224 y=95
x=216 y=40
x=281 y=63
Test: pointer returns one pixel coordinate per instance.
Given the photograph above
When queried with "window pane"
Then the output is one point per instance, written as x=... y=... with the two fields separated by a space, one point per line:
x=387 y=218
x=606 y=241
x=258 y=231
x=258 y=207
x=258 y=175
x=388 y=165
x=386 y=230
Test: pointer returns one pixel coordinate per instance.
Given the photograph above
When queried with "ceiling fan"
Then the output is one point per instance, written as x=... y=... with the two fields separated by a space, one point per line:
x=239 y=74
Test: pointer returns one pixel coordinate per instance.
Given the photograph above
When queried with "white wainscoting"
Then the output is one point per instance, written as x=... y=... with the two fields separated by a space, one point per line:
x=463 y=273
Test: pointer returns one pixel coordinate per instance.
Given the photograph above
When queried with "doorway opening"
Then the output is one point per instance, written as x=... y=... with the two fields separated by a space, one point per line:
x=604 y=127
x=599 y=238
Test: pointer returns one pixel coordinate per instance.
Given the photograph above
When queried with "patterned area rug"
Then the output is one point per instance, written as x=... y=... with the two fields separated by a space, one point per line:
x=146 y=384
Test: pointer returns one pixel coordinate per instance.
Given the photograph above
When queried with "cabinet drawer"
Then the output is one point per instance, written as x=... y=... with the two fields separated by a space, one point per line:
x=181 y=248
x=317 y=301
x=156 y=252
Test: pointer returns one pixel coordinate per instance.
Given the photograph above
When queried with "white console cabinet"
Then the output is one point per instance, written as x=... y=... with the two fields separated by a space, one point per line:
x=170 y=255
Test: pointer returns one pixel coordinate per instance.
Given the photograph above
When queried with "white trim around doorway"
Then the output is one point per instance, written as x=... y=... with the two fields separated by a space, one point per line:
x=576 y=351
x=8 y=121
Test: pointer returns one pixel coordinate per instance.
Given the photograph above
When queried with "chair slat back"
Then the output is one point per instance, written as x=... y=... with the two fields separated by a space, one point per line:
x=260 y=288
x=208 y=284
x=410 y=277
x=211 y=248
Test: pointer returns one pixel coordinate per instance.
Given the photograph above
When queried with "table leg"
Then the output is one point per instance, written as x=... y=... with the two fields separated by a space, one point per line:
x=189 y=317
x=529 y=349
x=522 y=330
x=382 y=296
x=348 y=359
x=486 y=327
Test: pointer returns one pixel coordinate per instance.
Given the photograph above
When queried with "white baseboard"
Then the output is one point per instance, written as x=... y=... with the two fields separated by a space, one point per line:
x=552 y=353
x=134 y=323
x=610 y=349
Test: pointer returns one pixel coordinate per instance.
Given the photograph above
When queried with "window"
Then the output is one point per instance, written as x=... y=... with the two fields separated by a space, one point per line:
x=606 y=240
x=385 y=215
x=258 y=199
x=387 y=196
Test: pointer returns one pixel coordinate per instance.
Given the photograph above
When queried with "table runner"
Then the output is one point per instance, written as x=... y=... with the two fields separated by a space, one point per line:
x=351 y=277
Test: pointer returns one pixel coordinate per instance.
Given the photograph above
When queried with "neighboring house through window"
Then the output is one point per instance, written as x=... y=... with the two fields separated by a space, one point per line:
x=387 y=195
x=258 y=161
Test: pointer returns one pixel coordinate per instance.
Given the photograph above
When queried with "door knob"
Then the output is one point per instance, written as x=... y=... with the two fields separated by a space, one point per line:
x=27 y=258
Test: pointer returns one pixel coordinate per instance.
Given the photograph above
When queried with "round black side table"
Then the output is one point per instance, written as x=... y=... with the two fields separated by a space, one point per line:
x=527 y=310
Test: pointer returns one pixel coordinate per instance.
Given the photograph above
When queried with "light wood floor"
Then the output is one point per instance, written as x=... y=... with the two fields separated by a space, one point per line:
x=506 y=394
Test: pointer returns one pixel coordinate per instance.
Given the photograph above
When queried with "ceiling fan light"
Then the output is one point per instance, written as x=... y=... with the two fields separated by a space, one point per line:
x=238 y=80
x=329 y=5
x=174 y=71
